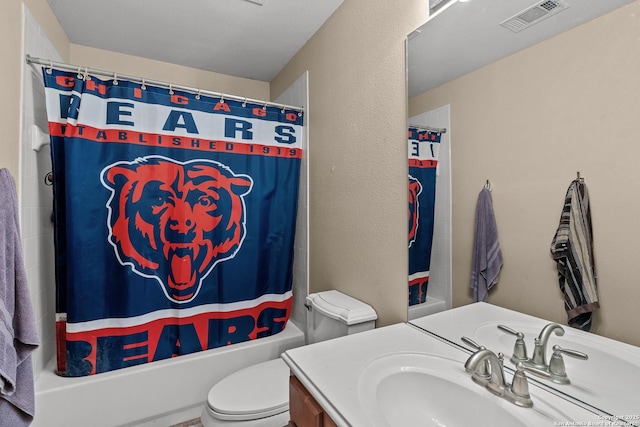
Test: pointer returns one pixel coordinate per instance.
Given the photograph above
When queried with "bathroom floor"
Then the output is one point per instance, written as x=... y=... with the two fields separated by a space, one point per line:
x=191 y=423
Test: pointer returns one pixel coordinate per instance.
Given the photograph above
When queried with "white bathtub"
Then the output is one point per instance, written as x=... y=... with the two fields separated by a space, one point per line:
x=136 y=395
x=430 y=306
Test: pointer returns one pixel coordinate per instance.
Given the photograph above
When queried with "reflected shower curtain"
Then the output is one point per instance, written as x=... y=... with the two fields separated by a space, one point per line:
x=174 y=220
x=424 y=147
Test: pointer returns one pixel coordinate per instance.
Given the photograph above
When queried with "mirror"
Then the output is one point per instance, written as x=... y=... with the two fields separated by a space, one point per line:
x=535 y=92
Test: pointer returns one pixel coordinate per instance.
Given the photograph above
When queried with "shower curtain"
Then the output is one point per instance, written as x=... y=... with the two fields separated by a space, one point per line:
x=174 y=220
x=424 y=147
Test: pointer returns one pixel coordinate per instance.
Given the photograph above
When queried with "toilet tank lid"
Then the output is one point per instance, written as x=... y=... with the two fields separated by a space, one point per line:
x=336 y=305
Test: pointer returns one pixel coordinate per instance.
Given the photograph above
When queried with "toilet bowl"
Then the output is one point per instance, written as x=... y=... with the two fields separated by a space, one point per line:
x=258 y=396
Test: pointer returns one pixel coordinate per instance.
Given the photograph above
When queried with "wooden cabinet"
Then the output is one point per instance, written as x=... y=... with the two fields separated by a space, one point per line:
x=304 y=410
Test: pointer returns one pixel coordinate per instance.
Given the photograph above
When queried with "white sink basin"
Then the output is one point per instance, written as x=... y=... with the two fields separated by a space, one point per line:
x=419 y=389
x=609 y=379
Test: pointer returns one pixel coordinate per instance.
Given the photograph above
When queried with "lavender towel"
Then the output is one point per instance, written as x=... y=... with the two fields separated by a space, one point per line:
x=487 y=257
x=18 y=336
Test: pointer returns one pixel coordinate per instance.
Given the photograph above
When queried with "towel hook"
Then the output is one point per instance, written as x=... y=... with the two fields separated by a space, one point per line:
x=487 y=185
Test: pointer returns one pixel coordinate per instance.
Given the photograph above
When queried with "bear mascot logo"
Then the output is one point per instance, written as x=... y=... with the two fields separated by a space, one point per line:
x=415 y=188
x=175 y=221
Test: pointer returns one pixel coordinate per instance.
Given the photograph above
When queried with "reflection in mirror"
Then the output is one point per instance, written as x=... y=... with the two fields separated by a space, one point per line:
x=528 y=86
x=461 y=37
x=429 y=213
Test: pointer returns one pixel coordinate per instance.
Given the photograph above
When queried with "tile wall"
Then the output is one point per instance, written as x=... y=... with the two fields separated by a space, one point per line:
x=296 y=95
x=36 y=198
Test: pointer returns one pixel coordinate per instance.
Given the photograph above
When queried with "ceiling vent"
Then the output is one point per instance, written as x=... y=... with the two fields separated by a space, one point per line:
x=533 y=15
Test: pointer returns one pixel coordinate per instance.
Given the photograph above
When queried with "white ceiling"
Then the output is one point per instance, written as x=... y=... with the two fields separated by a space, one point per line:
x=235 y=37
x=467 y=36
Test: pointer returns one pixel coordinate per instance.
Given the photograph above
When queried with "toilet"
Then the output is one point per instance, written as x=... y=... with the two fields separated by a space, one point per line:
x=258 y=396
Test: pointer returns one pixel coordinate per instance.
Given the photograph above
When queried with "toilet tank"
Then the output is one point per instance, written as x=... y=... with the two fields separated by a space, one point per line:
x=332 y=314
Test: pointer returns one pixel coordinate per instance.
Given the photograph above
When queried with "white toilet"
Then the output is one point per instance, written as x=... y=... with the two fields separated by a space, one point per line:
x=258 y=396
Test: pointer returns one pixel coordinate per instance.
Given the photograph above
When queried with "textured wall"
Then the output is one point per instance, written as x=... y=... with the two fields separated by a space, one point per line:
x=357 y=151
x=11 y=53
x=171 y=73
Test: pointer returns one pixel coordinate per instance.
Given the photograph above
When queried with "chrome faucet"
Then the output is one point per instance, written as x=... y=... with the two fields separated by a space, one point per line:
x=539 y=358
x=537 y=365
x=516 y=393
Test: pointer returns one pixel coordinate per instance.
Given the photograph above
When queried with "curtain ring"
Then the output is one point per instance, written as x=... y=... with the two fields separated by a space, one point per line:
x=48 y=179
x=264 y=107
x=50 y=68
x=115 y=79
x=143 y=87
x=221 y=98
x=87 y=77
x=80 y=76
x=284 y=107
x=244 y=103
x=198 y=95
x=170 y=89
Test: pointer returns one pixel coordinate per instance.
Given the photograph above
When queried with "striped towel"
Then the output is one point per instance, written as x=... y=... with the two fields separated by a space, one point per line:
x=572 y=249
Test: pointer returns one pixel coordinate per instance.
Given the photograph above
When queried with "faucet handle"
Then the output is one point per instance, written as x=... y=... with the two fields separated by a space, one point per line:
x=508 y=330
x=556 y=364
x=472 y=343
x=520 y=385
x=519 y=348
x=573 y=353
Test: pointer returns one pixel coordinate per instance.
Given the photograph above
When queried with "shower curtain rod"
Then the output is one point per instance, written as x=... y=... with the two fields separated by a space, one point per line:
x=86 y=70
x=428 y=128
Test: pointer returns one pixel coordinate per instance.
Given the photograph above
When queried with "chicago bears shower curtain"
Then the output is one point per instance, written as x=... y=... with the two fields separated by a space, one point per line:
x=174 y=220
x=424 y=147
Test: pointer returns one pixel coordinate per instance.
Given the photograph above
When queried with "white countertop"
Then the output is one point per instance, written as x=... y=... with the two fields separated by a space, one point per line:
x=331 y=370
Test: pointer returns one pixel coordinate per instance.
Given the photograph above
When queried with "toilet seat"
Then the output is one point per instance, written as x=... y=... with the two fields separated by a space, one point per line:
x=258 y=391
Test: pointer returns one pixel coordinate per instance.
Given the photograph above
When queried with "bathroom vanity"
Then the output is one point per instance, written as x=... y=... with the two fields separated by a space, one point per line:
x=304 y=409
x=420 y=374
